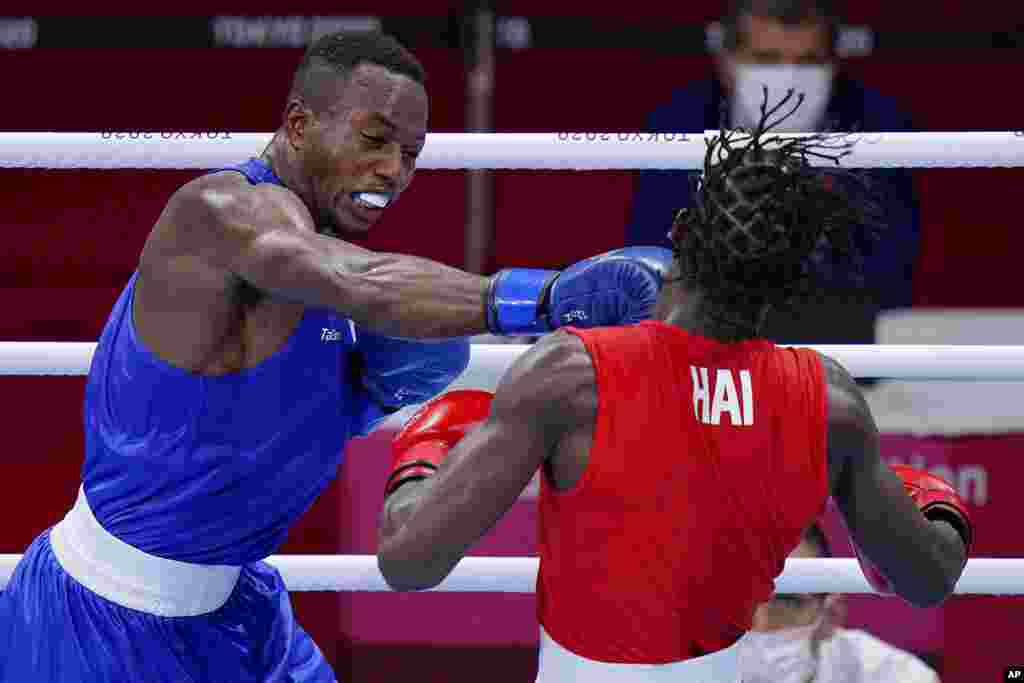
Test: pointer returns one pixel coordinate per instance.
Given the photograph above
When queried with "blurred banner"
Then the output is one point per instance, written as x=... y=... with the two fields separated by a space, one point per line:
x=442 y=30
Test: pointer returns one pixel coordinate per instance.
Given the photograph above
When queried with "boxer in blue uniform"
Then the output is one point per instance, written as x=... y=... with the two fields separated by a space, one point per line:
x=249 y=346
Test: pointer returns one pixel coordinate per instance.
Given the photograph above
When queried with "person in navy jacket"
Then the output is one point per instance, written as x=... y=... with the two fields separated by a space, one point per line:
x=786 y=44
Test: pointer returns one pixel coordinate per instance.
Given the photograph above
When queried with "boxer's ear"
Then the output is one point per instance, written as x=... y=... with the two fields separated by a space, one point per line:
x=297 y=119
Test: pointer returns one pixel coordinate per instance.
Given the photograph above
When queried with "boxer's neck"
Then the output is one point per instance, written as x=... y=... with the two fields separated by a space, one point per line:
x=285 y=164
x=698 y=313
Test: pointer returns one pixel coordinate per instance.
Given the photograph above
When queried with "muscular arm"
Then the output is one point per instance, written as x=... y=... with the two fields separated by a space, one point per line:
x=264 y=236
x=922 y=558
x=426 y=527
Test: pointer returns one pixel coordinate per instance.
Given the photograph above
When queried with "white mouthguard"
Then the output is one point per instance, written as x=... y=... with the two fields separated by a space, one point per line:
x=374 y=199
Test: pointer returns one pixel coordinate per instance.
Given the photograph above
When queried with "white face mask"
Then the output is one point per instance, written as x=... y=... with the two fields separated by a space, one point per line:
x=780 y=656
x=813 y=81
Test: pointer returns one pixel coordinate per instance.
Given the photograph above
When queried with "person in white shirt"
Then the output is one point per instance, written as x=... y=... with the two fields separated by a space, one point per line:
x=800 y=639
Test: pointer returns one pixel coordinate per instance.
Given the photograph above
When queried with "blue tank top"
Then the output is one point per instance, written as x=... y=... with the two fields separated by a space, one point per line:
x=214 y=470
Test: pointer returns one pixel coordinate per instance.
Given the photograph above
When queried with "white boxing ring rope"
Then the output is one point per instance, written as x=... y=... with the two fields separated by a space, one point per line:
x=983 y=576
x=489 y=361
x=358 y=573
x=553 y=151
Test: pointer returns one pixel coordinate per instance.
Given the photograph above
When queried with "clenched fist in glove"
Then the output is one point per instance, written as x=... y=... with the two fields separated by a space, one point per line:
x=616 y=288
x=417 y=450
x=937 y=500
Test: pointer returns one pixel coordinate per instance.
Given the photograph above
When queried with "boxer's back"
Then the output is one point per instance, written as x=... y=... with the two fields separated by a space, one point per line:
x=707 y=462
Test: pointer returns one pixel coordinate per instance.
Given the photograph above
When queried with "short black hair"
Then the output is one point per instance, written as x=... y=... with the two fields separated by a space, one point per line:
x=762 y=214
x=786 y=12
x=815 y=535
x=343 y=51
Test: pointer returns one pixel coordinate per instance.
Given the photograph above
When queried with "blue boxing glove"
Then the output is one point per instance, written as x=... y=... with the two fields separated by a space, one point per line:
x=398 y=372
x=616 y=288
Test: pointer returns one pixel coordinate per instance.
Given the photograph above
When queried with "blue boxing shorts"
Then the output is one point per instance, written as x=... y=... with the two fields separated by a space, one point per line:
x=84 y=607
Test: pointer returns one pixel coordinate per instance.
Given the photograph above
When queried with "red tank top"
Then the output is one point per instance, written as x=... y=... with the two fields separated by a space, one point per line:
x=707 y=462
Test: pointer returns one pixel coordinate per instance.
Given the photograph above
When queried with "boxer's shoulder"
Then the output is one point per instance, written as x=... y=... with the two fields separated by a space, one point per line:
x=554 y=379
x=557 y=359
x=851 y=434
x=213 y=219
x=190 y=307
x=226 y=199
x=845 y=399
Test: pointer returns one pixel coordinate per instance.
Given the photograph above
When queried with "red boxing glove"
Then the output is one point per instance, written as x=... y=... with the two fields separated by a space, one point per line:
x=937 y=500
x=417 y=450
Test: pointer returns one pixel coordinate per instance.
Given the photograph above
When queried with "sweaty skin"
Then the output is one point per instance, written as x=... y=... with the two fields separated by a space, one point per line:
x=229 y=267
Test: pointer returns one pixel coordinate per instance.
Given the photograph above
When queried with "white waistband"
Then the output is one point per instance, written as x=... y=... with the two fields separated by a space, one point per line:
x=131 y=578
x=557 y=664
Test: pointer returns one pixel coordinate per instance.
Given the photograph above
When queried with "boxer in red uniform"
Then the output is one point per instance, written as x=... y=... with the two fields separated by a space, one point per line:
x=682 y=457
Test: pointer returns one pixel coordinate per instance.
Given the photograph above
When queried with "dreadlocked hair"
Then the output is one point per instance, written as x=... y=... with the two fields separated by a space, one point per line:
x=760 y=211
